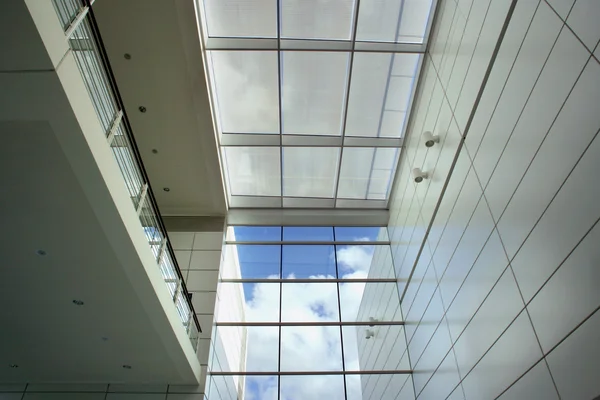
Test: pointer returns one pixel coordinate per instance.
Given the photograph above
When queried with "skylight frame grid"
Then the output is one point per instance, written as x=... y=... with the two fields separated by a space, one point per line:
x=281 y=45
x=347 y=325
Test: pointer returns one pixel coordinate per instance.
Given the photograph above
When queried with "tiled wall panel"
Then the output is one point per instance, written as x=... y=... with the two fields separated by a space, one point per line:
x=502 y=296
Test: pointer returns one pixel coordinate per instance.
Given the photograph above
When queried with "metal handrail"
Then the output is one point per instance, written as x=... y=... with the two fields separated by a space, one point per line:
x=81 y=31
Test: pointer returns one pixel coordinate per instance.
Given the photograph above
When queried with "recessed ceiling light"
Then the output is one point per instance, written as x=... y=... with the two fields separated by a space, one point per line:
x=126 y=366
x=41 y=252
x=104 y=339
x=78 y=302
x=13 y=366
x=142 y=109
x=127 y=56
x=154 y=151
x=166 y=189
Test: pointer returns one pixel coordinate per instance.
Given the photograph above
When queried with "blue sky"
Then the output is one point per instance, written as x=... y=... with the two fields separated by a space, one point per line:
x=314 y=348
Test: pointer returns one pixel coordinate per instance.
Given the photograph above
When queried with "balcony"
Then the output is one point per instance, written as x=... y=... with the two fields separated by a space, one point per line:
x=93 y=64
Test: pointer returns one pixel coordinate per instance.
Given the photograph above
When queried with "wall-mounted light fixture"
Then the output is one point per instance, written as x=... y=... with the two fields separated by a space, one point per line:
x=430 y=139
x=419 y=175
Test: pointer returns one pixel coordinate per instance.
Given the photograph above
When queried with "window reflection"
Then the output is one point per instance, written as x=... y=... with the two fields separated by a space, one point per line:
x=307 y=261
x=280 y=316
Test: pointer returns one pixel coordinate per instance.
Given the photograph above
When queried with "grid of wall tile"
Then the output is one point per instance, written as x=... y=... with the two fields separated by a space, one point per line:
x=100 y=392
x=199 y=257
x=502 y=296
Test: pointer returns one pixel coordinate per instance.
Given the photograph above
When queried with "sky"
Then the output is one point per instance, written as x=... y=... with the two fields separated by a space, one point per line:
x=302 y=348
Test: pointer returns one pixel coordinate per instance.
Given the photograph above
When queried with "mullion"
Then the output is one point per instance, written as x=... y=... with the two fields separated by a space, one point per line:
x=311 y=323
x=280 y=286
x=346 y=103
x=313 y=373
x=309 y=280
x=340 y=311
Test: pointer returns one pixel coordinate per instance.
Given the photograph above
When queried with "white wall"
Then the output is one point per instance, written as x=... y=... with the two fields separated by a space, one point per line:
x=508 y=270
x=202 y=262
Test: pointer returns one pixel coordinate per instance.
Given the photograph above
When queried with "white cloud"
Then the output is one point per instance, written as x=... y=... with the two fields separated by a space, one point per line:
x=352 y=259
x=314 y=348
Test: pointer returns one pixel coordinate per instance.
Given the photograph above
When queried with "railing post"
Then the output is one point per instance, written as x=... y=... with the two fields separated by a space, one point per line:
x=76 y=22
x=142 y=199
x=161 y=250
x=189 y=324
x=177 y=290
x=114 y=127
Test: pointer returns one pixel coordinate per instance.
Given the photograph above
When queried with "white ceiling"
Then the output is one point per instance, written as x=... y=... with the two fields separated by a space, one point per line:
x=54 y=198
x=165 y=74
x=44 y=208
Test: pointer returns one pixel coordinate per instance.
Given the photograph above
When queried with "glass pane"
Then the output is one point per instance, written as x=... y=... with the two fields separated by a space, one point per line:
x=251 y=261
x=254 y=18
x=262 y=348
x=350 y=336
x=398 y=94
x=302 y=233
x=254 y=233
x=384 y=166
x=375 y=386
x=221 y=387
x=228 y=342
x=303 y=261
x=360 y=233
x=230 y=303
x=311 y=348
x=354 y=388
x=314 y=88
x=309 y=302
x=362 y=261
x=312 y=387
x=405 y=64
x=413 y=23
x=309 y=171
x=246 y=90
x=370 y=76
x=261 y=388
x=355 y=173
x=259 y=345
x=252 y=171
x=248 y=302
x=402 y=21
x=317 y=19
x=366 y=173
x=351 y=295
x=372 y=301
x=374 y=79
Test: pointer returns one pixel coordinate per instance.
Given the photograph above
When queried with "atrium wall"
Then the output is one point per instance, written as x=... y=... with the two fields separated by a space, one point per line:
x=501 y=299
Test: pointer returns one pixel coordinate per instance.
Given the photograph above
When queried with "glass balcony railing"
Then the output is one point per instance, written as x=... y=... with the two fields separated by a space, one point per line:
x=95 y=71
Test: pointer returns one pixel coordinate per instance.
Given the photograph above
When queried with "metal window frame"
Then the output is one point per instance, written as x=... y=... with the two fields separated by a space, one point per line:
x=279 y=324
x=280 y=45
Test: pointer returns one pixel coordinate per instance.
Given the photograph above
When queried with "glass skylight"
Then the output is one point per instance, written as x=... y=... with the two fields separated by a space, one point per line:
x=311 y=97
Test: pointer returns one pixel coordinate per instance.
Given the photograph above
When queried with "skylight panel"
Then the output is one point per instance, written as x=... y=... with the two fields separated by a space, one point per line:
x=400 y=21
x=246 y=90
x=366 y=173
x=241 y=18
x=381 y=87
x=310 y=172
x=253 y=171
x=313 y=92
x=312 y=98
x=317 y=19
